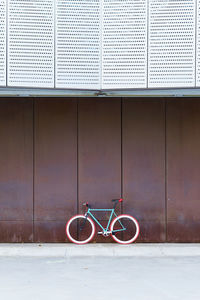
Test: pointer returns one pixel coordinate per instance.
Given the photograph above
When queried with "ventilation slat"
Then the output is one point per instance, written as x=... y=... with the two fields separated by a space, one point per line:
x=3 y=43
x=78 y=44
x=124 y=59
x=100 y=44
x=198 y=46
x=171 y=57
x=31 y=43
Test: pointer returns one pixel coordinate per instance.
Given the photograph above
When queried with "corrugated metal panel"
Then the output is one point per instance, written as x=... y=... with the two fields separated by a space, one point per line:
x=31 y=43
x=78 y=44
x=124 y=44
x=171 y=43
x=3 y=43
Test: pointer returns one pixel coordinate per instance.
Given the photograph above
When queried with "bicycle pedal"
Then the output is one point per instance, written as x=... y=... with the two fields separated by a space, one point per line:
x=100 y=232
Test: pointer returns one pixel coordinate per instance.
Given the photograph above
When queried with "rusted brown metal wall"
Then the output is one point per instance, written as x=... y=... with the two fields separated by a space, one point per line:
x=16 y=170
x=183 y=170
x=144 y=165
x=99 y=153
x=56 y=154
x=55 y=167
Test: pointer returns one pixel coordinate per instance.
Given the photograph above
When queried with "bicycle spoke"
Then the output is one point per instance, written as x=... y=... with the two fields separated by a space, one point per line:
x=125 y=229
x=80 y=230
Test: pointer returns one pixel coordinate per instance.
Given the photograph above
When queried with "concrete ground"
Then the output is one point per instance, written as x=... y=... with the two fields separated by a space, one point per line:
x=120 y=278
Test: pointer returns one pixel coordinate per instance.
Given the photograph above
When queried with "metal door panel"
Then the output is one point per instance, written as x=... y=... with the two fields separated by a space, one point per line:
x=55 y=194
x=143 y=163
x=99 y=154
x=16 y=231
x=99 y=143
x=183 y=165
x=16 y=159
x=50 y=231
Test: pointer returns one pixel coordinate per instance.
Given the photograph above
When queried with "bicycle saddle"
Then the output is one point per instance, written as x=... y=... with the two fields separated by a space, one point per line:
x=87 y=204
x=117 y=200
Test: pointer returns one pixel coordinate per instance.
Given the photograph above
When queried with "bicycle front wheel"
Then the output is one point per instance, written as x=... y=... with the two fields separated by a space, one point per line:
x=125 y=229
x=80 y=230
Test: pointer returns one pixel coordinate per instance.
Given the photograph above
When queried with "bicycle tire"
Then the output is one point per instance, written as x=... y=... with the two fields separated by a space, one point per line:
x=130 y=234
x=80 y=230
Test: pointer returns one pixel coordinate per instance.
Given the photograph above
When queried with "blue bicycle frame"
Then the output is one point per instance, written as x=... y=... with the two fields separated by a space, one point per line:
x=105 y=230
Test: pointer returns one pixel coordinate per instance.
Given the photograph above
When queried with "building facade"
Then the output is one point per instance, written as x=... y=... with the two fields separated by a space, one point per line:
x=99 y=100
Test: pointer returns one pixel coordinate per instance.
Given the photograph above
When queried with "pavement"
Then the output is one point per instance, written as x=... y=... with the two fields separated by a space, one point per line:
x=106 y=250
x=152 y=275
x=100 y=278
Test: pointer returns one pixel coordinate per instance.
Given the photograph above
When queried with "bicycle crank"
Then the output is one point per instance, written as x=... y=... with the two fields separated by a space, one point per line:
x=105 y=233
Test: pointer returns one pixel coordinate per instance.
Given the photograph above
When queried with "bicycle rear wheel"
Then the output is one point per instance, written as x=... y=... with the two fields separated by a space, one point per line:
x=80 y=230
x=131 y=232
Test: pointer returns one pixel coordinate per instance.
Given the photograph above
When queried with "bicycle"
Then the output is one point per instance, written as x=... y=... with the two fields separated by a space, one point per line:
x=124 y=229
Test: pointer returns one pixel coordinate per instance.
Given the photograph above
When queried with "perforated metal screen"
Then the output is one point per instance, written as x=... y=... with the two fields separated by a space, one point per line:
x=198 y=45
x=100 y=44
x=78 y=44
x=31 y=43
x=171 y=43
x=2 y=42
x=124 y=44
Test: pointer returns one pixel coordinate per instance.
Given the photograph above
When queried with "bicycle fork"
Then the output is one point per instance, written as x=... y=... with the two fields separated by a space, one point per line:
x=84 y=222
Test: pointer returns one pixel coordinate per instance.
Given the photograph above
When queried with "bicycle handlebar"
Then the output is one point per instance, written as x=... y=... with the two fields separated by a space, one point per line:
x=114 y=200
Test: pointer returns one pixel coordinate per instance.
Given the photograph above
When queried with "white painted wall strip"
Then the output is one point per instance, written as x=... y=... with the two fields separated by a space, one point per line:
x=2 y=42
x=171 y=54
x=31 y=43
x=78 y=44
x=124 y=45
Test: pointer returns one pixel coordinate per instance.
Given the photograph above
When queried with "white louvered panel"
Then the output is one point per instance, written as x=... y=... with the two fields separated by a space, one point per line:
x=31 y=43
x=124 y=58
x=198 y=46
x=78 y=44
x=171 y=43
x=2 y=42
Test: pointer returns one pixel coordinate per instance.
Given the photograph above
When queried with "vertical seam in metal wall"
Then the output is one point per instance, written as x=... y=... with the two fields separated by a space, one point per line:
x=77 y=160
x=166 y=174
x=33 y=221
x=77 y=154
x=55 y=40
x=195 y=41
x=147 y=55
x=122 y=208
x=7 y=42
